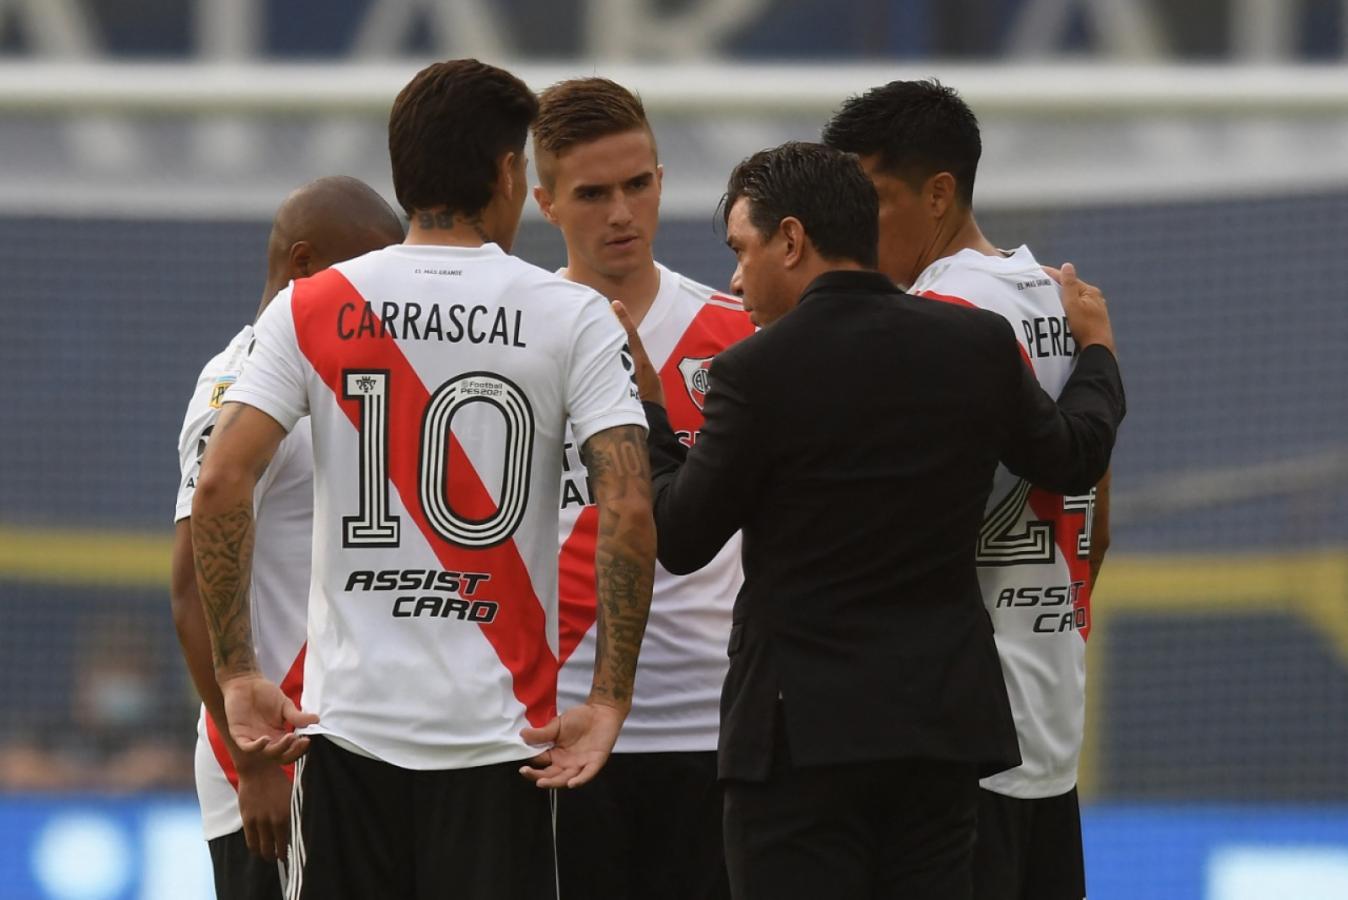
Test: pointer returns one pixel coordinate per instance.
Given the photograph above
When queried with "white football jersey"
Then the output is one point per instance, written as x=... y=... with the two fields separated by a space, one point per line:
x=439 y=382
x=283 y=508
x=1034 y=550
x=676 y=703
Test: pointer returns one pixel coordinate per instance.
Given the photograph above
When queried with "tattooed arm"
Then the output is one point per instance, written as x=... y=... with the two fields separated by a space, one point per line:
x=222 y=548
x=624 y=558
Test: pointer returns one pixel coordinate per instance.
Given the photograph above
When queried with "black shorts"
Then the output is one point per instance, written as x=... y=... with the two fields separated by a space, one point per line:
x=362 y=829
x=241 y=874
x=647 y=828
x=1029 y=849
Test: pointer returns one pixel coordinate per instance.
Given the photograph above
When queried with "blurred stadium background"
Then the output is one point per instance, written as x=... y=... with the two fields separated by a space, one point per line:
x=1191 y=158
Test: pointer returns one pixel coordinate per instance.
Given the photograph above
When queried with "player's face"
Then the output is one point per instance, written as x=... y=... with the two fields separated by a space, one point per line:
x=606 y=200
x=906 y=230
x=760 y=277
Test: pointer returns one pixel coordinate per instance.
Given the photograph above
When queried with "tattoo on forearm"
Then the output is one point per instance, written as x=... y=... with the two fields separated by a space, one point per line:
x=223 y=550
x=619 y=469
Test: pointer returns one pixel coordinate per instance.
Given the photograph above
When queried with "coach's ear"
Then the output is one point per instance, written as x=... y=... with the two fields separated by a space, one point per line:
x=792 y=231
x=301 y=260
x=940 y=194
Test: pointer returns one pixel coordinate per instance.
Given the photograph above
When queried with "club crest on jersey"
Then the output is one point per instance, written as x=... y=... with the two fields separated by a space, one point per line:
x=696 y=372
x=218 y=392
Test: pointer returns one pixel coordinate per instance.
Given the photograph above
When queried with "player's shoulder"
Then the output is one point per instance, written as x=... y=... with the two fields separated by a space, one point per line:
x=693 y=291
x=999 y=283
x=531 y=283
x=228 y=363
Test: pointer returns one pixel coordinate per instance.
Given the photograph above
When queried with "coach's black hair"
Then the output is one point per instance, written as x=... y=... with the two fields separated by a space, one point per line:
x=917 y=128
x=448 y=130
x=824 y=188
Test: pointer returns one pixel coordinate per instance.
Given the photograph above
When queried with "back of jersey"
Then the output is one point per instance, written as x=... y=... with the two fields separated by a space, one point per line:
x=439 y=381
x=1034 y=550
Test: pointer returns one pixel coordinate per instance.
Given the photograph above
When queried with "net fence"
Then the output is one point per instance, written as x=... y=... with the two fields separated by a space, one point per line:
x=1219 y=654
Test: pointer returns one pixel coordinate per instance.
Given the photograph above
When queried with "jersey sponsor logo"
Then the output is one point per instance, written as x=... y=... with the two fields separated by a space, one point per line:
x=1051 y=621
x=218 y=391
x=464 y=608
x=696 y=372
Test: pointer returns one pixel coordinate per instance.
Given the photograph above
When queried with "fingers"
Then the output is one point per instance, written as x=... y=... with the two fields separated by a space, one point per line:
x=1055 y=274
x=545 y=735
x=295 y=716
x=624 y=319
x=587 y=772
x=1069 y=274
x=297 y=749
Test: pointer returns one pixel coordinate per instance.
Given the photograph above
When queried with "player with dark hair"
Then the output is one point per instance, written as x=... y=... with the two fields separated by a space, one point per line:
x=439 y=375
x=854 y=441
x=244 y=797
x=1039 y=552
x=650 y=827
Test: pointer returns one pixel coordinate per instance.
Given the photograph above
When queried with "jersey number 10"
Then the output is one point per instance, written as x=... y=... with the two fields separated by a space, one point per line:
x=374 y=525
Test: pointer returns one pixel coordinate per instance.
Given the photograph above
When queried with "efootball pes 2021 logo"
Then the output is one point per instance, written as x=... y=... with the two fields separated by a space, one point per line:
x=696 y=372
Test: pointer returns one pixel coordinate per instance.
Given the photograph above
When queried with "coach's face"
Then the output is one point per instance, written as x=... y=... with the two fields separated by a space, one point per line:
x=907 y=230
x=762 y=274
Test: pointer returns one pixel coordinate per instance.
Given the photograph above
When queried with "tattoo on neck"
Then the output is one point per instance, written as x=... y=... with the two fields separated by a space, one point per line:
x=446 y=220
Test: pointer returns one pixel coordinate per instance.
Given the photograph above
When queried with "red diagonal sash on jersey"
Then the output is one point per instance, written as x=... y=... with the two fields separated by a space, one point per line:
x=712 y=330
x=576 y=592
x=960 y=301
x=518 y=634
x=1067 y=524
x=292 y=686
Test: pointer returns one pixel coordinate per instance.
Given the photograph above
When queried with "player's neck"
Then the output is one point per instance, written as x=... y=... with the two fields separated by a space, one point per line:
x=964 y=234
x=636 y=290
x=438 y=227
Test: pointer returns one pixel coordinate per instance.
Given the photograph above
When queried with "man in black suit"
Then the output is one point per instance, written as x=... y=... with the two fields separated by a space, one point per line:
x=854 y=440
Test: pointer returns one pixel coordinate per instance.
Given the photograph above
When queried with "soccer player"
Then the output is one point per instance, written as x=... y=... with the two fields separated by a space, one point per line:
x=1038 y=551
x=439 y=376
x=244 y=797
x=650 y=827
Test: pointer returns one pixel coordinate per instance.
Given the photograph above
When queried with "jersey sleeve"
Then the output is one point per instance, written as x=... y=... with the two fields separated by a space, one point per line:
x=273 y=379
x=197 y=425
x=601 y=388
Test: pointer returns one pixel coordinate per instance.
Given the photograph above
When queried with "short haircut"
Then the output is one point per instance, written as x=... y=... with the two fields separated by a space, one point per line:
x=448 y=130
x=579 y=111
x=917 y=128
x=826 y=189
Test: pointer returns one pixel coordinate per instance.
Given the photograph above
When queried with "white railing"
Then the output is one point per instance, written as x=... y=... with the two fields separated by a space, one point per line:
x=703 y=87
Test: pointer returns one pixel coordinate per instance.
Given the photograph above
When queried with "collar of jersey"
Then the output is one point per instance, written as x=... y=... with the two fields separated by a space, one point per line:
x=487 y=249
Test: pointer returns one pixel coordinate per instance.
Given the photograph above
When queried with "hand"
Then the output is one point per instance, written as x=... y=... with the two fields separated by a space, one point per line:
x=582 y=739
x=1087 y=316
x=647 y=378
x=264 y=804
x=261 y=718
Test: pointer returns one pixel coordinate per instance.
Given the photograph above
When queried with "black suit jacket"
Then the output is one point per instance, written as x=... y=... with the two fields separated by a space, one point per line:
x=854 y=443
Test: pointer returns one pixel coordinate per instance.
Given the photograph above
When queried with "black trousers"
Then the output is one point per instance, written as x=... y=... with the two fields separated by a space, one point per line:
x=1029 y=849
x=647 y=828
x=240 y=874
x=368 y=830
x=900 y=829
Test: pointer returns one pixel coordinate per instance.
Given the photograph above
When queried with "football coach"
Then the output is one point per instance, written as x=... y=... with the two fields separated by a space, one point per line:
x=853 y=440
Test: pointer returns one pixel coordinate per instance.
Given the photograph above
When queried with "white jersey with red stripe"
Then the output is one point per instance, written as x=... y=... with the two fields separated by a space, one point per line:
x=676 y=703
x=283 y=508
x=439 y=382
x=1034 y=550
